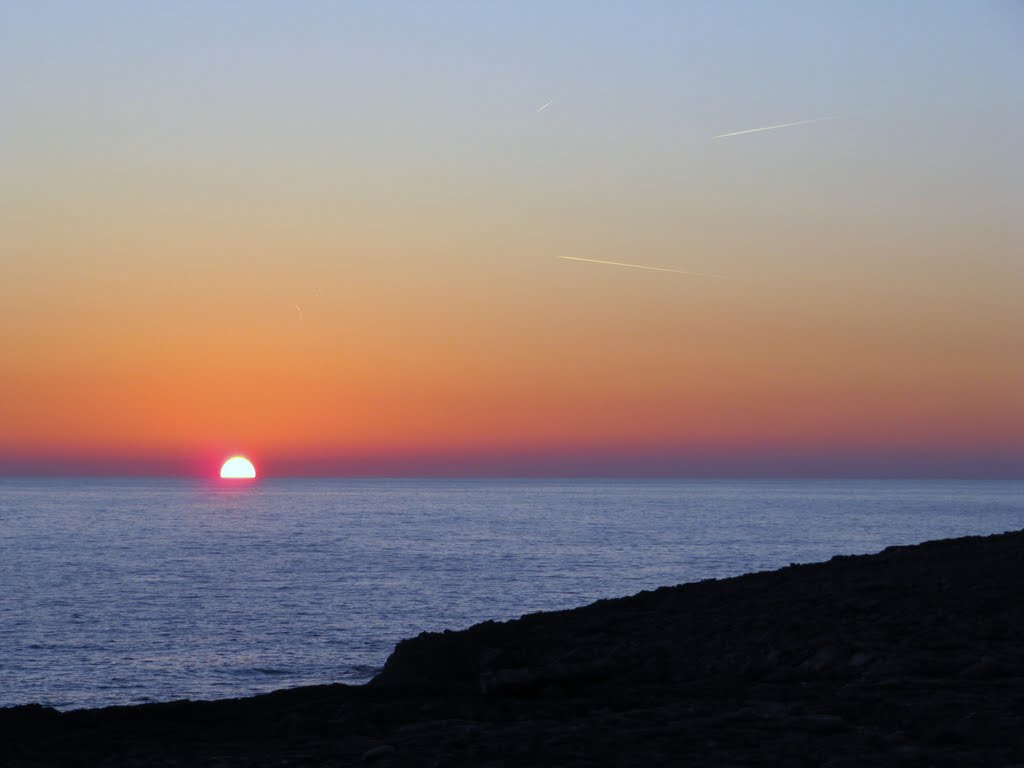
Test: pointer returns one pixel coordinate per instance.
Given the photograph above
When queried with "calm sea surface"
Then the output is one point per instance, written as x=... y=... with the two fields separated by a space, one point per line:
x=133 y=590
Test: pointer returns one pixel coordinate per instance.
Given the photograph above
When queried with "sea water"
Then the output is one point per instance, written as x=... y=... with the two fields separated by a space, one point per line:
x=119 y=591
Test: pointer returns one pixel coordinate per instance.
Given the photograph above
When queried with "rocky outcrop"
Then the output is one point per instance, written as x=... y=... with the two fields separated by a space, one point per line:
x=912 y=656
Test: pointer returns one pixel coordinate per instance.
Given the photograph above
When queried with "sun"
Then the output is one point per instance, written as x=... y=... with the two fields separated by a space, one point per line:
x=237 y=468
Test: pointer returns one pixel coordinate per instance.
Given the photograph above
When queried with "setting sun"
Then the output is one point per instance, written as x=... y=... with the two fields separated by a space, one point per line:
x=237 y=468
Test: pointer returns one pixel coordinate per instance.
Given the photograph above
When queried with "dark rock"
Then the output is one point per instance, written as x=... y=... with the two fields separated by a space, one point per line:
x=985 y=668
x=824 y=659
x=913 y=656
x=820 y=724
x=858 y=660
x=378 y=753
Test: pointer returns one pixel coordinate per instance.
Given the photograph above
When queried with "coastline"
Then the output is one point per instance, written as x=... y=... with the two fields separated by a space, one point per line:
x=913 y=655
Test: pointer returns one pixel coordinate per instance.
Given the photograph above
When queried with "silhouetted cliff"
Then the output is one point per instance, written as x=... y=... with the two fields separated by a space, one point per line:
x=913 y=656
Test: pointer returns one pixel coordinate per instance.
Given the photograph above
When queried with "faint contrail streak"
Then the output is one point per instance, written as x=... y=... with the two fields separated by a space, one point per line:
x=301 y=316
x=781 y=125
x=546 y=106
x=644 y=266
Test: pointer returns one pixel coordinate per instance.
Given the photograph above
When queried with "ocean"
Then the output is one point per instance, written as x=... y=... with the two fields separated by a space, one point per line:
x=122 y=591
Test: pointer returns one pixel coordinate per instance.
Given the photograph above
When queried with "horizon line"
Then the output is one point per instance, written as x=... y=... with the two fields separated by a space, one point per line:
x=584 y=476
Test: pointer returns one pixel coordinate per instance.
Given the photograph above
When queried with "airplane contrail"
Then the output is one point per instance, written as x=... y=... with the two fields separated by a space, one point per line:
x=301 y=316
x=780 y=125
x=644 y=266
x=546 y=106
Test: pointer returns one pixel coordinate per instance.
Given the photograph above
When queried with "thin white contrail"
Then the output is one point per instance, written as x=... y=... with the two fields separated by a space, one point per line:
x=301 y=316
x=781 y=125
x=644 y=266
x=546 y=106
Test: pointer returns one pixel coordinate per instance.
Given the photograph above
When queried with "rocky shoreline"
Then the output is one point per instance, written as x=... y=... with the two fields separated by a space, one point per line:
x=912 y=656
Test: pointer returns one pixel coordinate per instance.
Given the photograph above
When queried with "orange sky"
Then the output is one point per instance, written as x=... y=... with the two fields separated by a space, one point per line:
x=357 y=286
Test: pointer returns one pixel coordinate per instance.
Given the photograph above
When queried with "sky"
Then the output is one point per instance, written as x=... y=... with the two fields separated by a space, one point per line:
x=331 y=236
